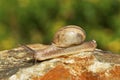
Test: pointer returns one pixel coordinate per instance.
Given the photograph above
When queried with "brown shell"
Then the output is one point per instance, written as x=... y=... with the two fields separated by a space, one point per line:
x=68 y=36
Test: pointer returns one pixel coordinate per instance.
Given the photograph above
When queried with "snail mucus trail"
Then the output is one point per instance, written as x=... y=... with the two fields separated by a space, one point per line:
x=67 y=40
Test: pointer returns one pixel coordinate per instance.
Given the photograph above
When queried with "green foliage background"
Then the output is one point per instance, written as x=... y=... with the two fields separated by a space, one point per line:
x=35 y=21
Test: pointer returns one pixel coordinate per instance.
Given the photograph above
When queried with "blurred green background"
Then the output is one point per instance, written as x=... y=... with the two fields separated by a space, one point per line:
x=36 y=21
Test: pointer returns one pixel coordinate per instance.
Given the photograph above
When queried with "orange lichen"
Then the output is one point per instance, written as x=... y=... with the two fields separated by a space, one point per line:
x=58 y=73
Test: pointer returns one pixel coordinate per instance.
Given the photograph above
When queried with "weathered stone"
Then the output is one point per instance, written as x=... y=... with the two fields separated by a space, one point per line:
x=97 y=65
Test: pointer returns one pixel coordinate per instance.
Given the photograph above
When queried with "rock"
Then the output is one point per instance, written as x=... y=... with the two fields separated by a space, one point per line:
x=97 y=65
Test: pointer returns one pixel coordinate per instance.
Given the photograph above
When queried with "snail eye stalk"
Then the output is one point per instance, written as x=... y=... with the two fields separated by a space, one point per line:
x=31 y=51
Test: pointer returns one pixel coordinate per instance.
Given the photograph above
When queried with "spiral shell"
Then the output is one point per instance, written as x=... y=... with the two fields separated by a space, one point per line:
x=68 y=36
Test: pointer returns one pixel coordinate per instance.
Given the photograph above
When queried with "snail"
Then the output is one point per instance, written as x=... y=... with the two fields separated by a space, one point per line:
x=67 y=40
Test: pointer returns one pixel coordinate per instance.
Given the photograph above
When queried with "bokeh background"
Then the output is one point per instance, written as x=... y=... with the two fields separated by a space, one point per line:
x=36 y=21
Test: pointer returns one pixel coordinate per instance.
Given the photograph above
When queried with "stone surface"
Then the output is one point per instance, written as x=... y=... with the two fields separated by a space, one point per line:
x=97 y=65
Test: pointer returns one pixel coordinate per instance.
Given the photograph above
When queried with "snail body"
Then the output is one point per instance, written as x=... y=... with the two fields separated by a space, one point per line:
x=52 y=52
x=67 y=40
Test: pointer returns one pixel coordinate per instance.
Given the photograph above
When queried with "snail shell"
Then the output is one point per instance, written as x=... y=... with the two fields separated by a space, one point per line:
x=68 y=36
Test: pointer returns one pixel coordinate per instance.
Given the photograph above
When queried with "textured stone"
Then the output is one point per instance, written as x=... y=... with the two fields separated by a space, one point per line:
x=97 y=65
x=82 y=66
